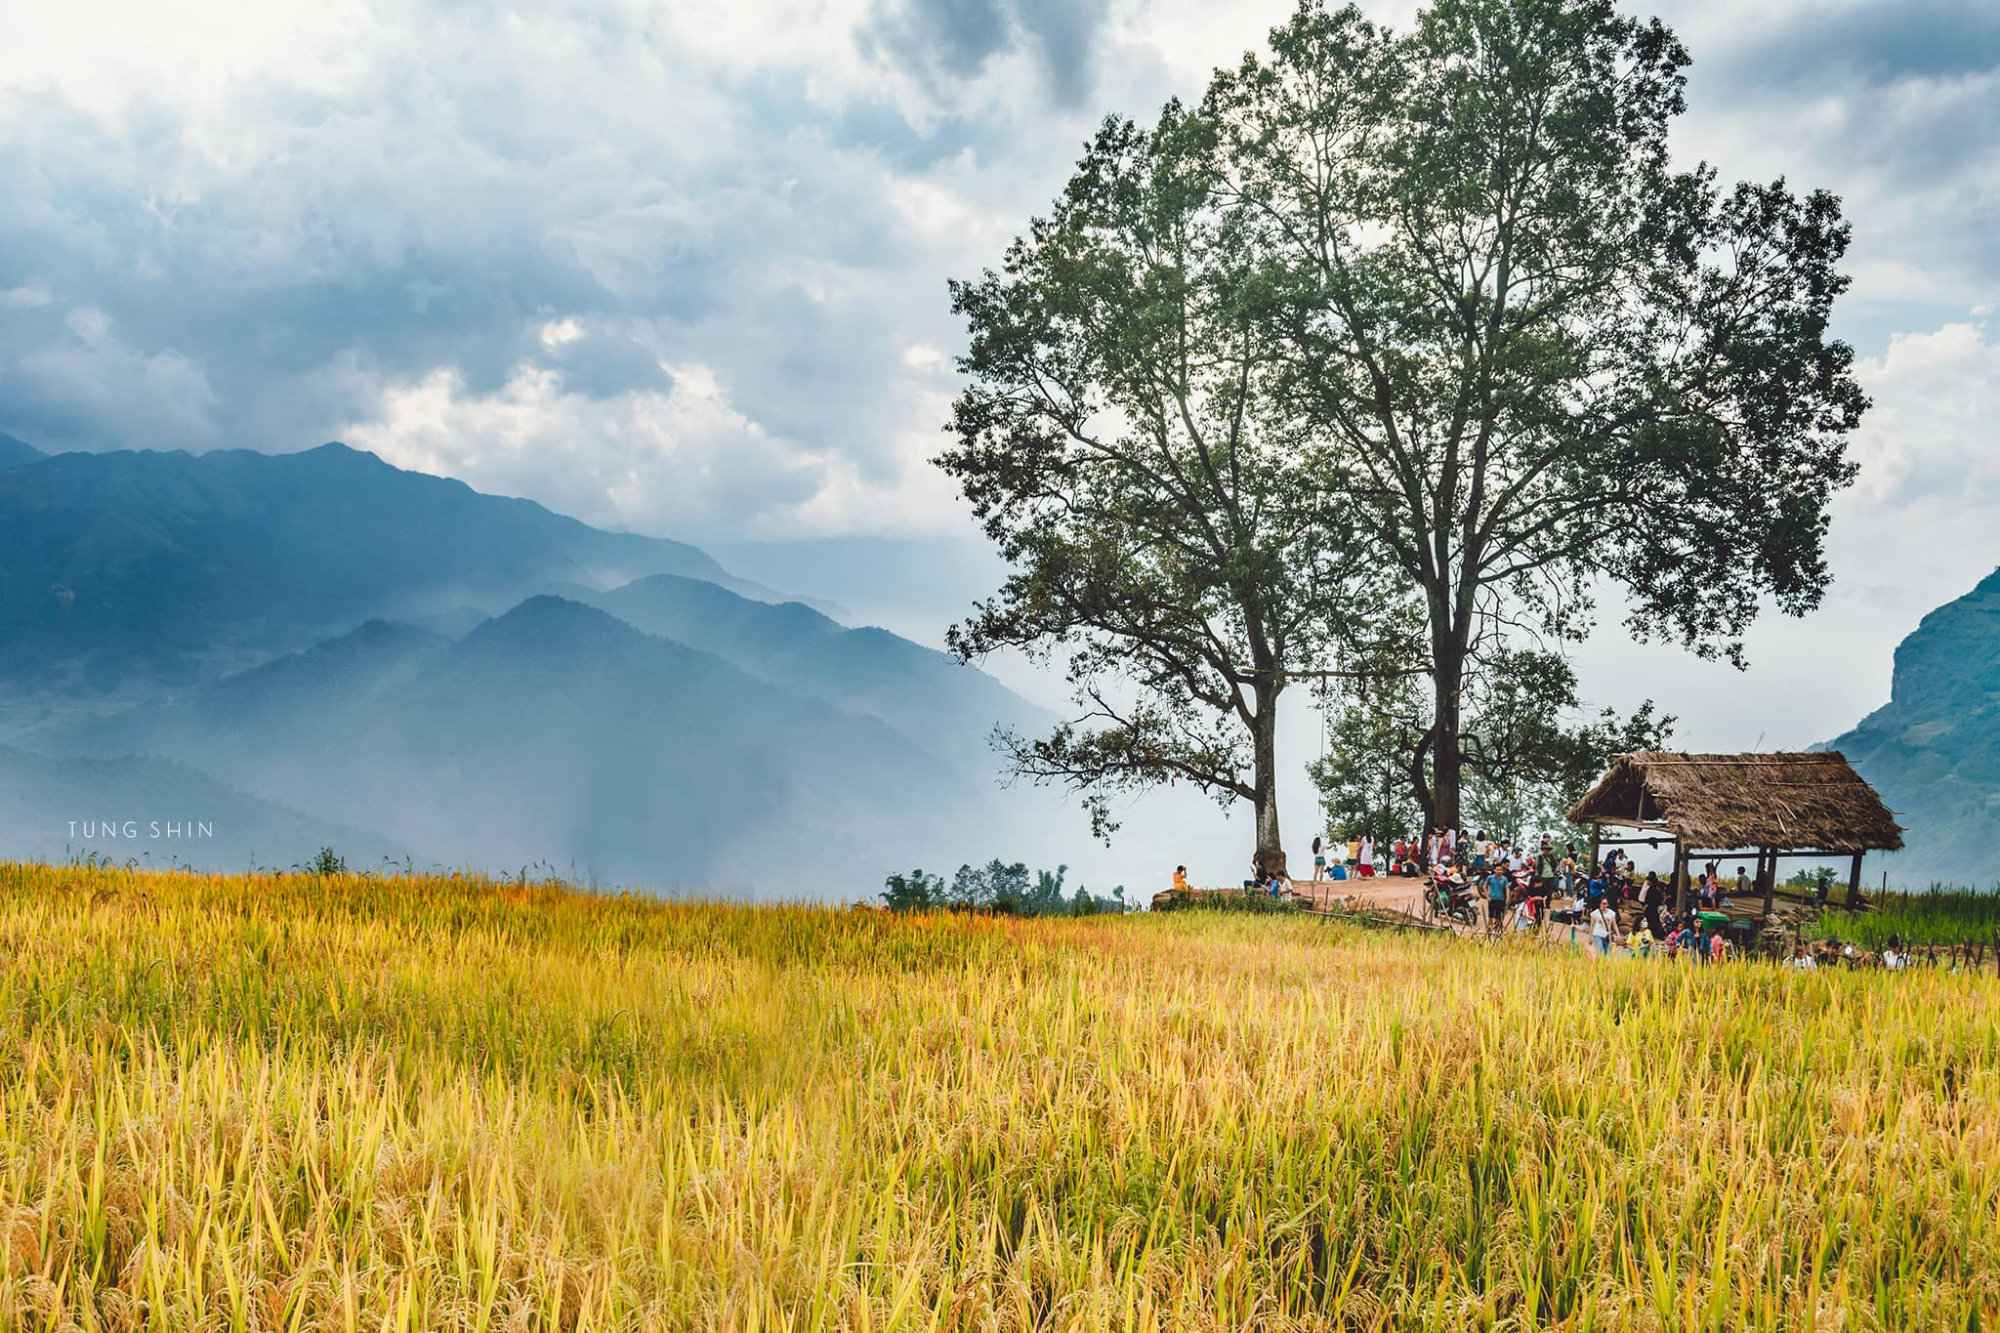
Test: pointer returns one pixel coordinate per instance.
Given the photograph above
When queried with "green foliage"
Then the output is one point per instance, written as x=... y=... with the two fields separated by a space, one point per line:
x=1535 y=748
x=1000 y=888
x=1118 y=441
x=1529 y=354
x=1938 y=915
x=327 y=862
x=1237 y=901
x=914 y=892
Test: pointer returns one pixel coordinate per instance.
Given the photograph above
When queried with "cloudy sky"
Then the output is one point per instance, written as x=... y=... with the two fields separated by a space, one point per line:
x=680 y=268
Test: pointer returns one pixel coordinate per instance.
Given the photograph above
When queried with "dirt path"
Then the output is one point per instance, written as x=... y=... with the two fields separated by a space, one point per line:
x=1391 y=893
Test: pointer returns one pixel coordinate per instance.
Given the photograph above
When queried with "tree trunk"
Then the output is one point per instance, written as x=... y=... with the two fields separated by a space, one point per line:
x=1420 y=784
x=1446 y=767
x=1270 y=847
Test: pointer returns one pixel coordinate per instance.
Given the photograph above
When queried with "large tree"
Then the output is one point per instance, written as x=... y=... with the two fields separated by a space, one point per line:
x=1117 y=439
x=1534 y=359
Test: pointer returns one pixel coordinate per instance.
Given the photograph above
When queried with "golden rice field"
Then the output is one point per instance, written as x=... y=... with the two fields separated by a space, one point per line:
x=289 y=1103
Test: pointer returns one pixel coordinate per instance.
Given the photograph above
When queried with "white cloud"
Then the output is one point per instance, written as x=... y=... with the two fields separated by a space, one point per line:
x=28 y=296
x=683 y=460
x=1932 y=431
x=560 y=332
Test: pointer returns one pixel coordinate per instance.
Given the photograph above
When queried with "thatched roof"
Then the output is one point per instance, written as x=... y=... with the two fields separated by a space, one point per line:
x=1729 y=802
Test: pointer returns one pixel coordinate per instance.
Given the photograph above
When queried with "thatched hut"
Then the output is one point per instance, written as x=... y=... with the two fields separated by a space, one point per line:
x=1722 y=805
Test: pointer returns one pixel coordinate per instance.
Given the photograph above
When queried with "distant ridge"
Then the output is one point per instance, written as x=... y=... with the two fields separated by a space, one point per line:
x=18 y=453
x=557 y=731
x=172 y=564
x=923 y=693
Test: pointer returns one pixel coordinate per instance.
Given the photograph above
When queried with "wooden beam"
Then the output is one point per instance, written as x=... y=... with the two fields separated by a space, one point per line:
x=1680 y=879
x=1628 y=823
x=1767 y=871
x=1854 y=884
x=1724 y=853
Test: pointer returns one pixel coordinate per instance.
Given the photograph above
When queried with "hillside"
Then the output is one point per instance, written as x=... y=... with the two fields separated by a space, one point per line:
x=557 y=733
x=177 y=567
x=1933 y=750
x=160 y=814
x=922 y=693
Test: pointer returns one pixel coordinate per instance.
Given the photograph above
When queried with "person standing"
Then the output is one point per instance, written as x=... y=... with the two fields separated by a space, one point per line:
x=1319 y=859
x=1364 y=859
x=1651 y=894
x=1496 y=896
x=1603 y=928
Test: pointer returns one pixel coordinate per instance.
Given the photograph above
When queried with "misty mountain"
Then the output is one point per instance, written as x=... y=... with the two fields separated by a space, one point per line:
x=913 y=585
x=184 y=566
x=160 y=814
x=930 y=698
x=15 y=453
x=557 y=732
x=1933 y=750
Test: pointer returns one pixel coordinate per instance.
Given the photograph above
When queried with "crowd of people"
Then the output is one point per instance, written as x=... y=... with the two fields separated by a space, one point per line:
x=1523 y=885
x=1503 y=884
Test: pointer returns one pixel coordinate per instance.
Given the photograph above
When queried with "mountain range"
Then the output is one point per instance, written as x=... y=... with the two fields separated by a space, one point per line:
x=322 y=646
x=173 y=566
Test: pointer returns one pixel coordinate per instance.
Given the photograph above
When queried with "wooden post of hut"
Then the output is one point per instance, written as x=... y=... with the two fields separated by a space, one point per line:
x=1680 y=877
x=1767 y=875
x=1854 y=884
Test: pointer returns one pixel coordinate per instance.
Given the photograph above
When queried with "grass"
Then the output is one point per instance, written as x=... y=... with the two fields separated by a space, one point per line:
x=294 y=1102
x=1938 y=916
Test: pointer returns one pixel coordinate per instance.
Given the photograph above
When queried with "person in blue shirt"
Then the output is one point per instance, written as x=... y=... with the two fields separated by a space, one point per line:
x=1497 y=885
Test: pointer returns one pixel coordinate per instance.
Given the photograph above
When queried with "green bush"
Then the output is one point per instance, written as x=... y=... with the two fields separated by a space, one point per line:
x=1224 y=900
x=999 y=888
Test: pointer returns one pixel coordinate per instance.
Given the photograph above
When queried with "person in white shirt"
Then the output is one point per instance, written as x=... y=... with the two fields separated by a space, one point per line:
x=1804 y=961
x=1603 y=928
x=1893 y=957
